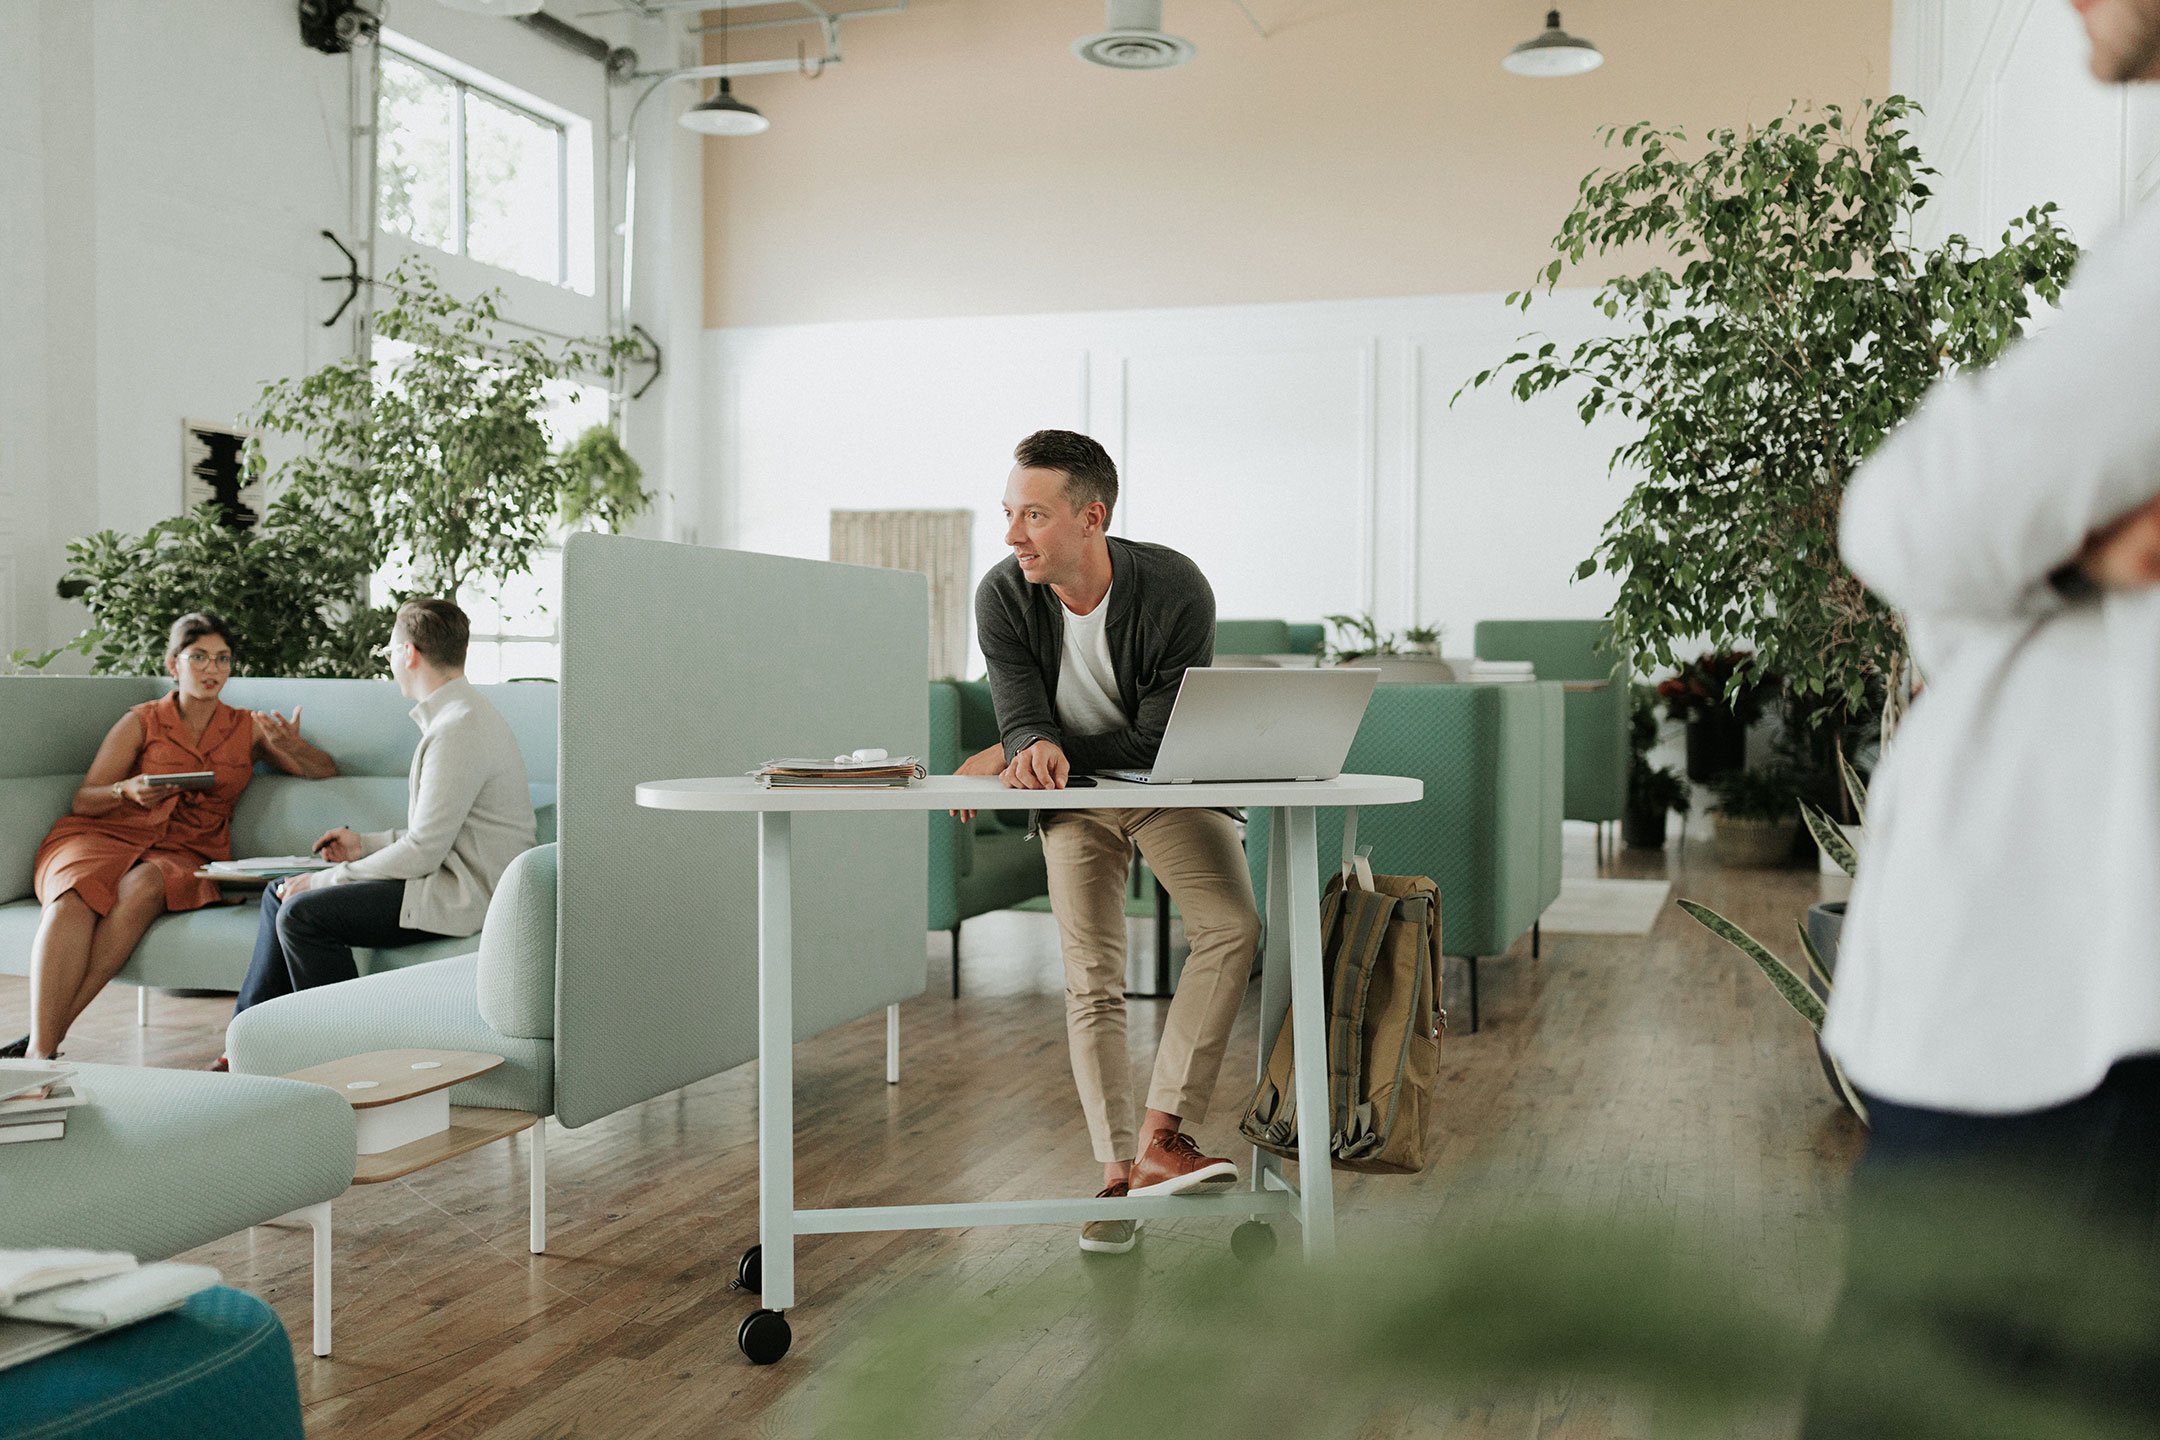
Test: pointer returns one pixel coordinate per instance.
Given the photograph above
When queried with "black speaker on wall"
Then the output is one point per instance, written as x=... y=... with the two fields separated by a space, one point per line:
x=332 y=26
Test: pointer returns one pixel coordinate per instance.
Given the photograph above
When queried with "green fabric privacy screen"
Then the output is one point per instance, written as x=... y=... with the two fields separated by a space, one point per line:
x=678 y=661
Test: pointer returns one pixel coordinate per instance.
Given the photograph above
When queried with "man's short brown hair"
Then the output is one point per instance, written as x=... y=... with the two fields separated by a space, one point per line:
x=435 y=628
x=1089 y=472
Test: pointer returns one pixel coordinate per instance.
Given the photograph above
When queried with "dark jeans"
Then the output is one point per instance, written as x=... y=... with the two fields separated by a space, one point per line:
x=307 y=941
x=2003 y=1272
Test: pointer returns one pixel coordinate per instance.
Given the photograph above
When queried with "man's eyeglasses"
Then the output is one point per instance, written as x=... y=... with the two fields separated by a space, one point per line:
x=384 y=650
x=204 y=660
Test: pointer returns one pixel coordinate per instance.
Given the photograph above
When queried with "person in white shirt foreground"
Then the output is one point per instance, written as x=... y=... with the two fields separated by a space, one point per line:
x=470 y=815
x=1998 y=981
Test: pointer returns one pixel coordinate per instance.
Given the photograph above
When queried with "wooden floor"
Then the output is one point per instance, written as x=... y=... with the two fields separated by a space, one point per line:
x=1657 y=1076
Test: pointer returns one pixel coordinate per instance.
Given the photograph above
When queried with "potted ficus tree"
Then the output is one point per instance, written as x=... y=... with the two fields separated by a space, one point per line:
x=1792 y=325
x=1653 y=792
x=434 y=462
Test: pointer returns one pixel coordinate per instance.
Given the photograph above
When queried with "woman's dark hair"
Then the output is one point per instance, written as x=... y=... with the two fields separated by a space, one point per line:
x=190 y=628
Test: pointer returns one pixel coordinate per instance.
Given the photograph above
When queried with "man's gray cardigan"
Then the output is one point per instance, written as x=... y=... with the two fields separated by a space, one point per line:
x=1161 y=622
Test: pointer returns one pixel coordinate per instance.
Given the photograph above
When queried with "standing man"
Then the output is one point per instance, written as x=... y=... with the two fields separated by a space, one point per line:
x=1088 y=637
x=470 y=812
x=1998 y=987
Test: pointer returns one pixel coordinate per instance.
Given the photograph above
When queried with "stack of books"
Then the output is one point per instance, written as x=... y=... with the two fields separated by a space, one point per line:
x=35 y=1096
x=1489 y=672
x=844 y=773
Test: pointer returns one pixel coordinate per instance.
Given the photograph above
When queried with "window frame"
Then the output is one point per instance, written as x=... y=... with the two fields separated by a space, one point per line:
x=463 y=84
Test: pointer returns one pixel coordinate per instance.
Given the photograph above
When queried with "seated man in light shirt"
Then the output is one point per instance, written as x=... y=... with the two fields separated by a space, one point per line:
x=471 y=815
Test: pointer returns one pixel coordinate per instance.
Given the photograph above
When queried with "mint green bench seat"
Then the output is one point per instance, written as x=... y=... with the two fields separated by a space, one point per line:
x=1487 y=831
x=56 y=722
x=155 y=1162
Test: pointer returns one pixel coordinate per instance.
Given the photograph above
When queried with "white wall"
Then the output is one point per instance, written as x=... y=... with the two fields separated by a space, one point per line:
x=2014 y=117
x=1305 y=454
x=165 y=171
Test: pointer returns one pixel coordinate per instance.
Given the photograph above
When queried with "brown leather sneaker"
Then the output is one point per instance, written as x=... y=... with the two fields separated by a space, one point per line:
x=1110 y=1237
x=1172 y=1165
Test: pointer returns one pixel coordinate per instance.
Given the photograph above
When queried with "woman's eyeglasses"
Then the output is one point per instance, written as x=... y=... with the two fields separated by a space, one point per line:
x=204 y=660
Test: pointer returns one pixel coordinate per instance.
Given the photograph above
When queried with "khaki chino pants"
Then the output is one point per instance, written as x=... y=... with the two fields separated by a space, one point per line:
x=1197 y=856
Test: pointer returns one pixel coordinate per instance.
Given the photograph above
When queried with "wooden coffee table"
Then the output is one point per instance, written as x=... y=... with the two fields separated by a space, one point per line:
x=396 y=1094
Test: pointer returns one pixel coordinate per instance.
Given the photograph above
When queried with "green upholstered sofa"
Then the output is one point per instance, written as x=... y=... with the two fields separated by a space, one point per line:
x=1266 y=637
x=54 y=724
x=1576 y=653
x=988 y=864
x=155 y=1162
x=1487 y=831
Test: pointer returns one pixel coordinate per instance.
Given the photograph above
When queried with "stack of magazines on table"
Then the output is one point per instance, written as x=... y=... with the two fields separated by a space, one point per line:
x=50 y=1299
x=263 y=867
x=862 y=770
x=35 y=1097
x=1500 y=672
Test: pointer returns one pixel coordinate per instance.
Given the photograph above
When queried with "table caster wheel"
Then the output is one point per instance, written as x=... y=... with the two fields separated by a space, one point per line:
x=764 y=1336
x=750 y=1270
x=1253 y=1241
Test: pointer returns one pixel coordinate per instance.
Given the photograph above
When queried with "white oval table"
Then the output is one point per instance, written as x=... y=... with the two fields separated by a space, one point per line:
x=1290 y=979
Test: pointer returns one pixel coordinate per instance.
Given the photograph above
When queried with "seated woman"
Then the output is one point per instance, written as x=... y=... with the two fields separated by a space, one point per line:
x=129 y=850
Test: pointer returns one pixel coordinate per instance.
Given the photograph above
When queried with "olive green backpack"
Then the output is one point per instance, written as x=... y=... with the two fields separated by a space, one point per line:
x=1380 y=942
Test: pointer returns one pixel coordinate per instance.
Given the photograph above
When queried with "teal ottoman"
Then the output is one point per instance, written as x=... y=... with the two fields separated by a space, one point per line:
x=218 y=1368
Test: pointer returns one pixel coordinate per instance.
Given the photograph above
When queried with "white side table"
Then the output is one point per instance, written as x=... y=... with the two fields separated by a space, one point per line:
x=1290 y=978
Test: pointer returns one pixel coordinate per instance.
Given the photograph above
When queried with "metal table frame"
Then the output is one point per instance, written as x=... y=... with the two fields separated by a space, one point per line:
x=1290 y=978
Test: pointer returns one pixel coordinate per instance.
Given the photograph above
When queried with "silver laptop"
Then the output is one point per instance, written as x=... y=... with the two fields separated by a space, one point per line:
x=1234 y=723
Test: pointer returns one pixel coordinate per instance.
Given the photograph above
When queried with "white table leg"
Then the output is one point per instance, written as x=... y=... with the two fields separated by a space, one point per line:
x=776 y=1063
x=1274 y=970
x=892 y=1044
x=1308 y=1021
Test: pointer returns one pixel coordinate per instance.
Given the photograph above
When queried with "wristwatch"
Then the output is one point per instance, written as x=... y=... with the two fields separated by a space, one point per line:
x=118 y=787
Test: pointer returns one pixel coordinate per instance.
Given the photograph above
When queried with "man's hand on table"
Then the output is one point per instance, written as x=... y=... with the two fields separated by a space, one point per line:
x=1041 y=766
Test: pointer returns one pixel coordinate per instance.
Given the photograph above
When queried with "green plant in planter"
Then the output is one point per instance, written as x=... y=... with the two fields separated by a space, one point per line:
x=1425 y=635
x=600 y=483
x=1761 y=792
x=437 y=459
x=1652 y=790
x=1795 y=325
x=1355 y=637
x=290 y=592
x=1809 y=994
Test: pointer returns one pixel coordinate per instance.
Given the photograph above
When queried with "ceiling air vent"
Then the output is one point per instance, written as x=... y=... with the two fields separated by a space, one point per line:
x=1135 y=39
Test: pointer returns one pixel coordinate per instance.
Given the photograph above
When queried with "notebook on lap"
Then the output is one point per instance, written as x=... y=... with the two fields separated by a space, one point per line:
x=1235 y=723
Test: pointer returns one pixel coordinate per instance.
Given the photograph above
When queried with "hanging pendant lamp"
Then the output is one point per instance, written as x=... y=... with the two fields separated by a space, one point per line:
x=723 y=114
x=1552 y=54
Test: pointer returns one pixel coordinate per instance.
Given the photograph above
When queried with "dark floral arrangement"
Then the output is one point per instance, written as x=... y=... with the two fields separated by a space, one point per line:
x=1718 y=682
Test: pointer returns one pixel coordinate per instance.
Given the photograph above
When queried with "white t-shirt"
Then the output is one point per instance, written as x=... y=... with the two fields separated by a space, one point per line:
x=1087 y=693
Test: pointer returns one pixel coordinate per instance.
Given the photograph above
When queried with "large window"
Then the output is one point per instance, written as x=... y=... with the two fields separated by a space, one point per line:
x=473 y=172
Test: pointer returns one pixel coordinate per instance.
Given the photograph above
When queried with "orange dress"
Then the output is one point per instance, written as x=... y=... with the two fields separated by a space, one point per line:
x=179 y=834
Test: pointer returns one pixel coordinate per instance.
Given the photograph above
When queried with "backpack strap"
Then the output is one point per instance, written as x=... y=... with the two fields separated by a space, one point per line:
x=1360 y=941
